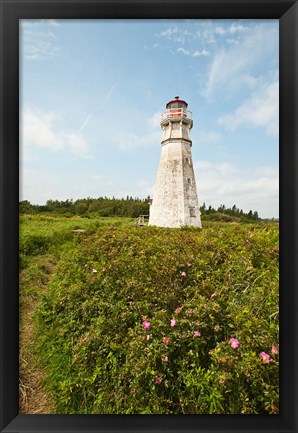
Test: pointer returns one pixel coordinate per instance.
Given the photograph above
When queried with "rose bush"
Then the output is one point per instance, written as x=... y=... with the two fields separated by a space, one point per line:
x=172 y=321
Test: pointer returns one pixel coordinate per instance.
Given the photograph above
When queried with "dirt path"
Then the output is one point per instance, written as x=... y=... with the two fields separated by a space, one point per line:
x=33 y=398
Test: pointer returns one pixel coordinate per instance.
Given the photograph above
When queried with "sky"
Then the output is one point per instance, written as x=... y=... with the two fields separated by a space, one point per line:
x=92 y=93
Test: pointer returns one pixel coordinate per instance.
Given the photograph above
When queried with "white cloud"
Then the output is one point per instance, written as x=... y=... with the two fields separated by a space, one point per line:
x=37 y=42
x=232 y=41
x=177 y=35
x=37 y=22
x=232 y=30
x=194 y=53
x=38 y=186
x=169 y=32
x=260 y=110
x=154 y=120
x=129 y=141
x=39 y=130
x=249 y=189
x=234 y=66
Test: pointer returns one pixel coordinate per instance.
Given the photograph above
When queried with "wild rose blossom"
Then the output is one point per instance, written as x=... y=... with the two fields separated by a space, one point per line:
x=274 y=350
x=178 y=309
x=173 y=322
x=183 y=273
x=234 y=343
x=146 y=325
x=165 y=358
x=158 y=380
x=265 y=357
x=197 y=334
x=166 y=341
x=188 y=264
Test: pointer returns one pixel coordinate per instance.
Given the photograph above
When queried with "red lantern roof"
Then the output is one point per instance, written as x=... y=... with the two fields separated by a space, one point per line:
x=175 y=101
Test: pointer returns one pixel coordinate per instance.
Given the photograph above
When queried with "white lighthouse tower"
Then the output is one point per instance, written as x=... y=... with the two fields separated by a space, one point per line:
x=175 y=200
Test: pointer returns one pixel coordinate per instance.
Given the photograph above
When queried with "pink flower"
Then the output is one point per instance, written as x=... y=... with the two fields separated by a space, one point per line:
x=146 y=325
x=197 y=334
x=188 y=264
x=274 y=350
x=173 y=322
x=234 y=343
x=183 y=273
x=166 y=341
x=158 y=380
x=178 y=309
x=165 y=358
x=265 y=358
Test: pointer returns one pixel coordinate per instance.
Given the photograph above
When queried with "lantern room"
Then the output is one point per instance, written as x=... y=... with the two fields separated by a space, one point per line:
x=177 y=103
x=176 y=110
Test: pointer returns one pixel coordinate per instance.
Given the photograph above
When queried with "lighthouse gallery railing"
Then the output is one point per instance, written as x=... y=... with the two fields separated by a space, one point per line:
x=176 y=112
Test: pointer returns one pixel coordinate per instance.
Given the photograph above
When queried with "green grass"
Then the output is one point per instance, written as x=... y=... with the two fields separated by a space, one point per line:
x=97 y=356
x=40 y=233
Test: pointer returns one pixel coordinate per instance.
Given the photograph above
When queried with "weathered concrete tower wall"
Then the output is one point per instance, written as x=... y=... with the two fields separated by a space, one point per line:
x=175 y=201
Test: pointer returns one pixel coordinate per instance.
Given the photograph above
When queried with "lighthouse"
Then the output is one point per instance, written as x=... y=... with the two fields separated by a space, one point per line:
x=175 y=201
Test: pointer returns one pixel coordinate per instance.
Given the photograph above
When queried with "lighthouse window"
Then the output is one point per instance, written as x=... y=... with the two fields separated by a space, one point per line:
x=189 y=180
x=192 y=212
x=187 y=160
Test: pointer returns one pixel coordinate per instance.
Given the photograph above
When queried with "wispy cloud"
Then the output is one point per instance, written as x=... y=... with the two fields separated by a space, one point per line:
x=38 y=41
x=39 y=130
x=86 y=121
x=231 y=30
x=91 y=114
x=260 y=110
x=37 y=22
x=248 y=188
x=176 y=34
x=234 y=66
x=194 y=53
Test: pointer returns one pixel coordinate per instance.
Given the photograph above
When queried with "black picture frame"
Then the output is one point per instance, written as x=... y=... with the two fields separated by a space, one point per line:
x=13 y=10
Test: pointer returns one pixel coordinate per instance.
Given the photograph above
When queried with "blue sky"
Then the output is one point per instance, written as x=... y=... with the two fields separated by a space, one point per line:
x=92 y=93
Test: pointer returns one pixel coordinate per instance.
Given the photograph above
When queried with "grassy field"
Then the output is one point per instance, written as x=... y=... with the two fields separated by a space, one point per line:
x=43 y=239
x=124 y=319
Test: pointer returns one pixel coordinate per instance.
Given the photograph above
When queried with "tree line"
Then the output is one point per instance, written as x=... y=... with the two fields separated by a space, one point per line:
x=223 y=213
x=126 y=207
x=102 y=206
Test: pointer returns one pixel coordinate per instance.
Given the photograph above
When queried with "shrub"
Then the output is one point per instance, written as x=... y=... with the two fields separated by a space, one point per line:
x=139 y=320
